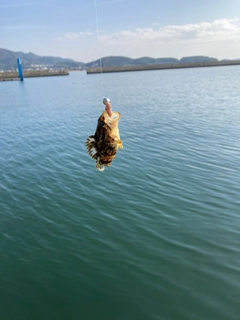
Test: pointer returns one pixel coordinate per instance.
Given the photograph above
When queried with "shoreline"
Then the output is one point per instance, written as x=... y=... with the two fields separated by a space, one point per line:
x=161 y=66
x=13 y=76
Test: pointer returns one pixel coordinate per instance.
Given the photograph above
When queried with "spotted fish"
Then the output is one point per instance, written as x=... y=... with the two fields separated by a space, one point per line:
x=103 y=146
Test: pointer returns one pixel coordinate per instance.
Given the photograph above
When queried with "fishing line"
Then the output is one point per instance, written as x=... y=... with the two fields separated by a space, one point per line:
x=103 y=146
x=99 y=51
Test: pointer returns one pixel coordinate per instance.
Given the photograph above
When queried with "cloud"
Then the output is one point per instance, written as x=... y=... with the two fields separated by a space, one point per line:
x=219 y=39
x=218 y=30
x=74 y=35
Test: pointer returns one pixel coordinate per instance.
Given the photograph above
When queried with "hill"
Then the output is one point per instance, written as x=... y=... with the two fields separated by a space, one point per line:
x=8 y=61
x=119 y=61
x=197 y=59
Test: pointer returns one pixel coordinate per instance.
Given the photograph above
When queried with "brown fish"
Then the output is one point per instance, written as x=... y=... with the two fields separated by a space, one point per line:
x=103 y=146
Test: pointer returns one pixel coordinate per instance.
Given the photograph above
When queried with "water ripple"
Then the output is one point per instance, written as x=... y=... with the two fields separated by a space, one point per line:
x=155 y=236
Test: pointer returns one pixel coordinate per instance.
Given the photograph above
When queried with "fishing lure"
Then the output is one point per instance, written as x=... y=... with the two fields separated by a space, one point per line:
x=103 y=146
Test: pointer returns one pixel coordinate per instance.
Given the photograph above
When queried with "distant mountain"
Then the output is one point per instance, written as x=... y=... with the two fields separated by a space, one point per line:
x=8 y=61
x=119 y=61
x=196 y=59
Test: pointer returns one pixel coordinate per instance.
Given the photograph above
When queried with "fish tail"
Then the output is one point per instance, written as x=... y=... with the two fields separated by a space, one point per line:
x=99 y=165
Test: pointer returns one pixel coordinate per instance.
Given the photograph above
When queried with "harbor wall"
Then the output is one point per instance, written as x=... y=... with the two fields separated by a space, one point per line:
x=10 y=76
x=162 y=66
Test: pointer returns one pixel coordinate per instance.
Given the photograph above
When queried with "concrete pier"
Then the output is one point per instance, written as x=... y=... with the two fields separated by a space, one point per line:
x=9 y=79
x=12 y=76
x=162 y=66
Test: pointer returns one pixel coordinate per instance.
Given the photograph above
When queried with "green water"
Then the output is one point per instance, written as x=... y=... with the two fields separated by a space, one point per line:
x=155 y=236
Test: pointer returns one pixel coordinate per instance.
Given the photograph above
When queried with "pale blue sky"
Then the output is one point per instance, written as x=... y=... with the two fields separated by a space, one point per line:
x=133 y=28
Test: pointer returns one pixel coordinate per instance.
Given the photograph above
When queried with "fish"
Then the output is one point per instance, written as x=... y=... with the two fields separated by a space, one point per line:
x=103 y=146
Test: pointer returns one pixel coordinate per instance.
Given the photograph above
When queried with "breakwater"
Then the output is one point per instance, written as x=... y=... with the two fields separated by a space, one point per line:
x=161 y=66
x=11 y=76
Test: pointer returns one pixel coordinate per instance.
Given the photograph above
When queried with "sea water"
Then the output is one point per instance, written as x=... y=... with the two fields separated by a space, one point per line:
x=156 y=235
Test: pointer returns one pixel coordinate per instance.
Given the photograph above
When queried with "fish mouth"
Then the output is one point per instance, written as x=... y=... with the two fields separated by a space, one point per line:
x=115 y=116
x=113 y=120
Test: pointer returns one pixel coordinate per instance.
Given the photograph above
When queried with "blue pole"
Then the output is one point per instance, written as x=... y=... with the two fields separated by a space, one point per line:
x=20 y=69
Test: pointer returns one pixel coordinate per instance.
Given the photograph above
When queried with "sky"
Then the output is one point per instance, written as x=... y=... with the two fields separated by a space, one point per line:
x=85 y=30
